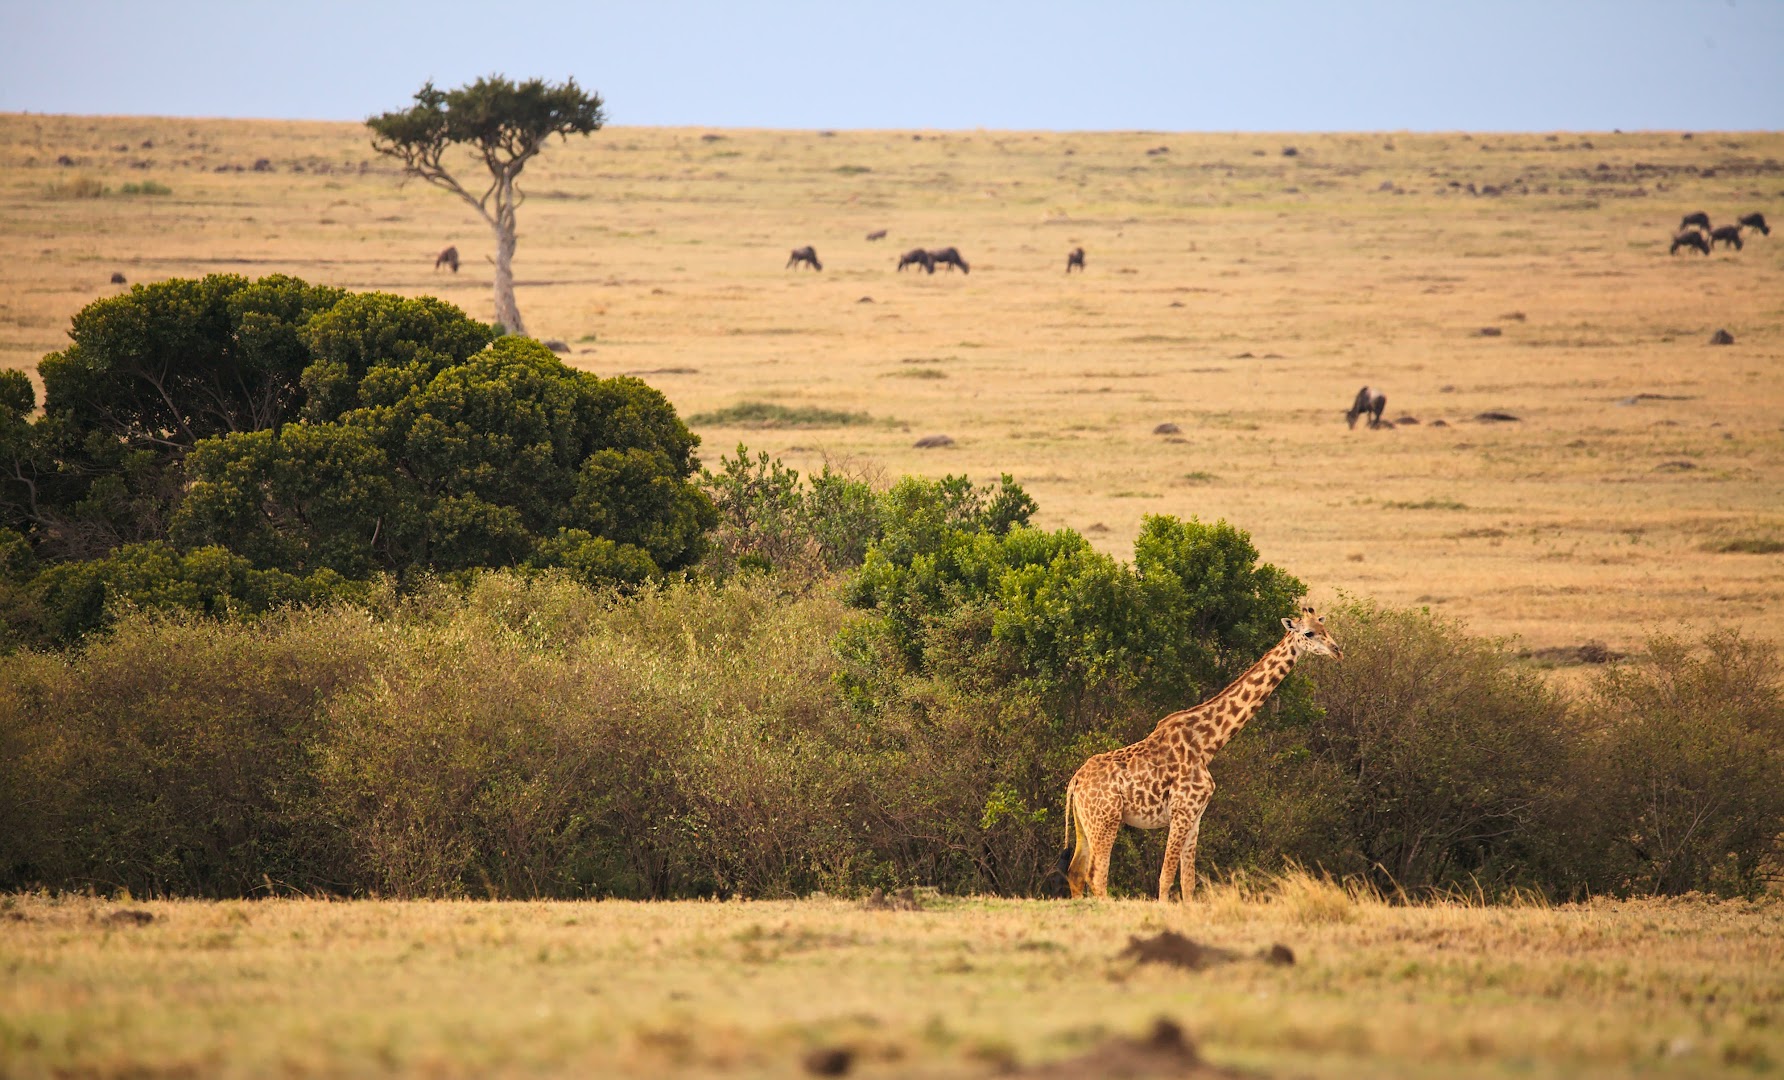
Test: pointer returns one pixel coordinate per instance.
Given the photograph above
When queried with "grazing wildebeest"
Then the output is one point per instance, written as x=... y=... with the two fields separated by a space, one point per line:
x=804 y=255
x=1699 y=219
x=1757 y=221
x=917 y=257
x=1370 y=402
x=1691 y=239
x=1727 y=234
x=877 y=234
x=448 y=257
x=1076 y=258
x=952 y=258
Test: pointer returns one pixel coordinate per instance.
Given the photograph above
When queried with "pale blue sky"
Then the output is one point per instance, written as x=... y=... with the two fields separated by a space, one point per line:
x=1120 y=64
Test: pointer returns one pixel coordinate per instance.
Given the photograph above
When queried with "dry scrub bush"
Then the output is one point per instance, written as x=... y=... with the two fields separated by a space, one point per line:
x=526 y=744
x=530 y=736
x=1450 y=763
x=169 y=756
x=1688 y=773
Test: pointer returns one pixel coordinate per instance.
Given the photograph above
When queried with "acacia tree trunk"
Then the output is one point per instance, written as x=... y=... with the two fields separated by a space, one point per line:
x=507 y=311
x=503 y=223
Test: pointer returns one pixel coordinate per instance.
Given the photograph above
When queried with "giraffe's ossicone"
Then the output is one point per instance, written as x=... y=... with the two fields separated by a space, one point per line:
x=1163 y=779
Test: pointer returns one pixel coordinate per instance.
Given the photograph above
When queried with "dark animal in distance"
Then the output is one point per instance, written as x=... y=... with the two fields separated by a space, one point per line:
x=117 y=277
x=952 y=258
x=1727 y=234
x=1757 y=221
x=917 y=257
x=877 y=234
x=449 y=257
x=1691 y=239
x=1370 y=402
x=1699 y=219
x=804 y=255
x=1076 y=258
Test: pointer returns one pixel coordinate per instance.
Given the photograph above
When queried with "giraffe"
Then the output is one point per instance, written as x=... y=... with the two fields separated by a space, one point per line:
x=1163 y=779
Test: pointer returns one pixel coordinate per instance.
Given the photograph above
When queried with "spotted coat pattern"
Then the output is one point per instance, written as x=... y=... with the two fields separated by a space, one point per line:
x=1163 y=779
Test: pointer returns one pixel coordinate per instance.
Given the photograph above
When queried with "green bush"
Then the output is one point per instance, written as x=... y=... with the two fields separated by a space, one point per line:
x=76 y=598
x=768 y=520
x=508 y=458
x=220 y=444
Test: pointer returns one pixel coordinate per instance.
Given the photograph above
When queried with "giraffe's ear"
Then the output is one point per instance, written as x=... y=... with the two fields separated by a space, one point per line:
x=1288 y=624
x=1320 y=619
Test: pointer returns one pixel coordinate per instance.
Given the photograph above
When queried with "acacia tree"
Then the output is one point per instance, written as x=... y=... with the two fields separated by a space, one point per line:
x=503 y=123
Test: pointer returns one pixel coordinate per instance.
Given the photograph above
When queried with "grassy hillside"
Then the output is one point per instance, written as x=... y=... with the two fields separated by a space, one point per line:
x=1232 y=290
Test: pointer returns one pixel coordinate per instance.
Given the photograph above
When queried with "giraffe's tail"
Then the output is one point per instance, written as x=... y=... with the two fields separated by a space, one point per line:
x=1074 y=861
x=1071 y=834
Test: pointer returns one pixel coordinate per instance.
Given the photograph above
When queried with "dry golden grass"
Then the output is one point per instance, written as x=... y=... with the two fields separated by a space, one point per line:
x=962 y=988
x=1239 y=293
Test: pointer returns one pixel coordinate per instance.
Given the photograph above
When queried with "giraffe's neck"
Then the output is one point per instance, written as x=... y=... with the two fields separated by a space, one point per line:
x=1226 y=712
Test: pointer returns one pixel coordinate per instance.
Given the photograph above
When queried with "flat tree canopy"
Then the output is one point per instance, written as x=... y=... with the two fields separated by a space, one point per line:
x=503 y=123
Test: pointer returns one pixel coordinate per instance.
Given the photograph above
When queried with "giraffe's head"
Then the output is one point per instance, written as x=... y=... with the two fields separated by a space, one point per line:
x=1308 y=636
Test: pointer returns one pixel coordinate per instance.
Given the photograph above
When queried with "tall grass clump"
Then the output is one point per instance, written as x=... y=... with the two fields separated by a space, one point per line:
x=76 y=187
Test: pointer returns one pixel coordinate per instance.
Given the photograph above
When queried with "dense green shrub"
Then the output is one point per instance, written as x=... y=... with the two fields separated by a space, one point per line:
x=75 y=598
x=508 y=458
x=1087 y=635
x=285 y=436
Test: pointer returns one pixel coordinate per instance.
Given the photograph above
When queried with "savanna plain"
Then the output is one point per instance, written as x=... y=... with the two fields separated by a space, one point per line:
x=1235 y=290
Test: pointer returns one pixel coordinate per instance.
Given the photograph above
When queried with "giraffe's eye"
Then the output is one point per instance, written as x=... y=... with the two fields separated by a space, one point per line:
x=1306 y=633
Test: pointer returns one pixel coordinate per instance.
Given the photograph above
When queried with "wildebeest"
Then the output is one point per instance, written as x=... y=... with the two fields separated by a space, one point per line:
x=1076 y=258
x=952 y=258
x=877 y=234
x=1370 y=402
x=1690 y=239
x=1727 y=234
x=804 y=255
x=1699 y=219
x=917 y=257
x=117 y=277
x=1757 y=221
x=449 y=257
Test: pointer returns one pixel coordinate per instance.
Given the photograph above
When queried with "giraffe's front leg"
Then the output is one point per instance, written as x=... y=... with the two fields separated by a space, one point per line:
x=1167 y=874
x=1187 y=860
x=1194 y=804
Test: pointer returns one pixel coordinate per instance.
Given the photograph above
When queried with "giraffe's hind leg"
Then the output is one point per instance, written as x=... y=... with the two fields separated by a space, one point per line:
x=1102 y=844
